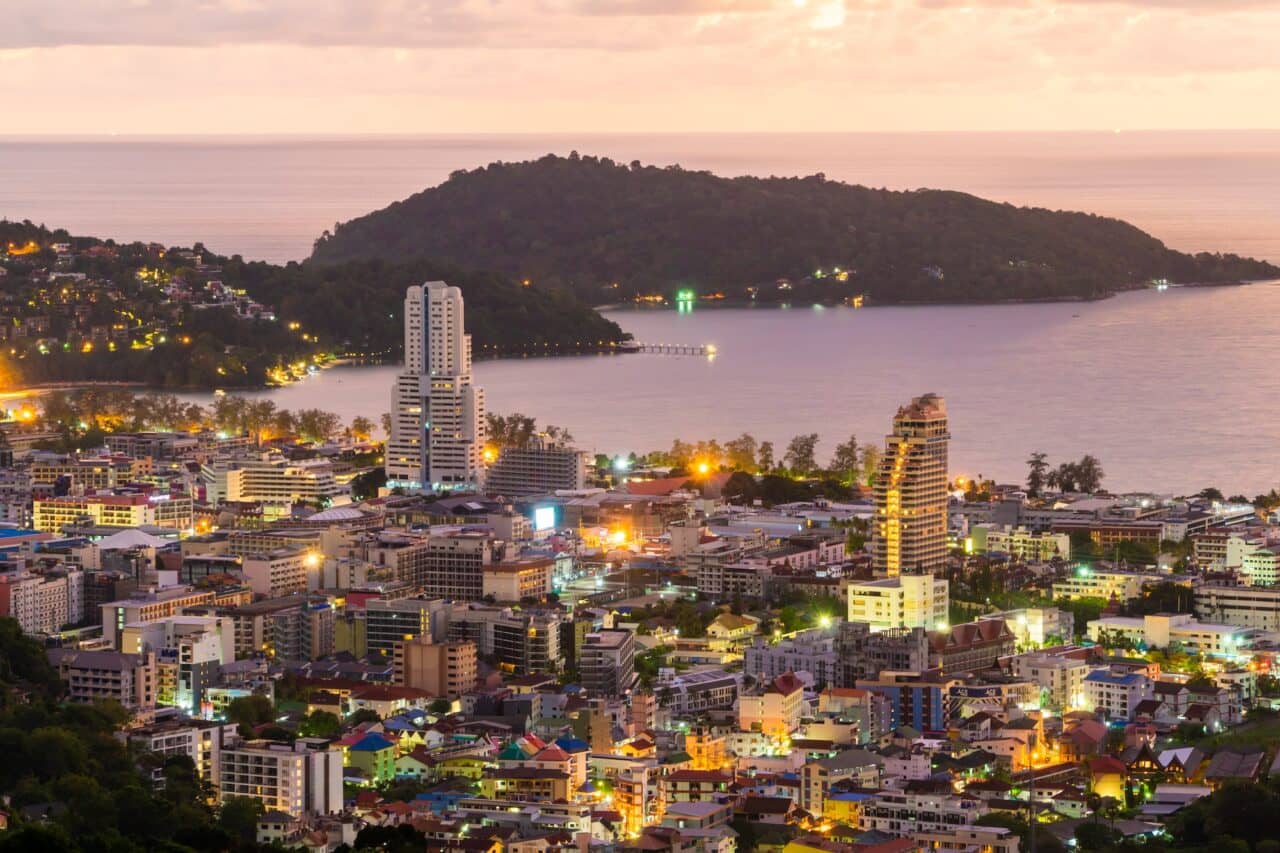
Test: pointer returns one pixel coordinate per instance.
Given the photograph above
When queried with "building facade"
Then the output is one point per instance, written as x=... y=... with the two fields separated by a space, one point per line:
x=437 y=414
x=909 y=531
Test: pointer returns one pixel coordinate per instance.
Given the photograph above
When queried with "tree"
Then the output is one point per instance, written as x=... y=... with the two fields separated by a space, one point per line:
x=1037 y=467
x=844 y=462
x=765 y=457
x=320 y=724
x=250 y=711
x=441 y=706
x=361 y=428
x=365 y=486
x=800 y=456
x=1089 y=473
x=1095 y=836
x=740 y=453
x=239 y=817
x=871 y=454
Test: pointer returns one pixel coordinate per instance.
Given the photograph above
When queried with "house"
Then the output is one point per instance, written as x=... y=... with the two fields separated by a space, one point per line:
x=728 y=631
x=276 y=826
x=1228 y=765
x=375 y=756
x=1107 y=777
x=776 y=811
x=1184 y=765
x=1203 y=714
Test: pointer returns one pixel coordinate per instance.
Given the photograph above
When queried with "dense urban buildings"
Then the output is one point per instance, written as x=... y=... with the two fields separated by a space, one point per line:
x=437 y=414
x=630 y=659
x=909 y=532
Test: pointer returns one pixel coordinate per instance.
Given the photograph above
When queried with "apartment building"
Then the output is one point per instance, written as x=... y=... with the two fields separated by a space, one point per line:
x=1086 y=582
x=1060 y=678
x=148 y=606
x=269 y=479
x=909 y=529
x=541 y=467
x=96 y=676
x=441 y=669
x=1245 y=606
x=518 y=580
x=388 y=622
x=198 y=740
x=1018 y=542
x=856 y=766
x=606 y=664
x=906 y=814
x=904 y=601
x=697 y=691
x=134 y=509
x=302 y=778
x=43 y=603
x=1159 y=630
x=1116 y=693
x=282 y=572
x=522 y=642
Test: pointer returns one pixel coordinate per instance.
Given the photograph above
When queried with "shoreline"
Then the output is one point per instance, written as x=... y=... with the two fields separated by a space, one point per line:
x=1047 y=300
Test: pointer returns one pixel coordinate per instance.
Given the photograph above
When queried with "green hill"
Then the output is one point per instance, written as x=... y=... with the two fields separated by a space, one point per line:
x=609 y=231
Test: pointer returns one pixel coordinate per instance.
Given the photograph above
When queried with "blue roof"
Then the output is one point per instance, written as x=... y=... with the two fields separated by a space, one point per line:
x=371 y=742
x=9 y=532
x=573 y=744
x=1102 y=676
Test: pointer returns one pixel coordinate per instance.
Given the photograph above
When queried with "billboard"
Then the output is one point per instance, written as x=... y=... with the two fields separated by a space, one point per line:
x=544 y=518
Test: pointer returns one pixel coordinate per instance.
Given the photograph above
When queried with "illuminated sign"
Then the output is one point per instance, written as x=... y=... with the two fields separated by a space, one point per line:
x=544 y=518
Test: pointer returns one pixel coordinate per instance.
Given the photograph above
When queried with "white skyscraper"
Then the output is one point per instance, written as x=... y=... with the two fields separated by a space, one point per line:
x=437 y=415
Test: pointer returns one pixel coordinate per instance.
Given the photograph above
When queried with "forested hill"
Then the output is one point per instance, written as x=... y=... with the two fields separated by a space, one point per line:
x=610 y=231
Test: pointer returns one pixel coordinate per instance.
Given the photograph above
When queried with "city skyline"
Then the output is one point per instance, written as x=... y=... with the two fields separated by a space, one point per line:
x=639 y=65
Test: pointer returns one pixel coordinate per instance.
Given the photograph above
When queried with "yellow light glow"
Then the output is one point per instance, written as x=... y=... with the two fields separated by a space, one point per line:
x=704 y=468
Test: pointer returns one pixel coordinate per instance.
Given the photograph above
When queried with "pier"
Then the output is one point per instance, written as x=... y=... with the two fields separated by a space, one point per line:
x=671 y=349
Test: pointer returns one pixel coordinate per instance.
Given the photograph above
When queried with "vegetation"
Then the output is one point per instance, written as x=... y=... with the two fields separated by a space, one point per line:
x=98 y=786
x=140 y=313
x=359 y=306
x=609 y=231
x=83 y=418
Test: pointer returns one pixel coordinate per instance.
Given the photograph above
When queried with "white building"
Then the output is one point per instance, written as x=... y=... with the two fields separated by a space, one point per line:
x=282 y=572
x=1092 y=583
x=43 y=603
x=906 y=814
x=1116 y=693
x=1246 y=606
x=1019 y=542
x=541 y=467
x=189 y=652
x=1160 y=630
x=812 y=651
x=269 y=479
x=905 y=601
x=437 y=414
x=1059 y=677
x=302 y=778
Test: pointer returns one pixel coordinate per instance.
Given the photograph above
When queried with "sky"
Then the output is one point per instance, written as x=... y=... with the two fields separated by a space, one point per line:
x=536 y=66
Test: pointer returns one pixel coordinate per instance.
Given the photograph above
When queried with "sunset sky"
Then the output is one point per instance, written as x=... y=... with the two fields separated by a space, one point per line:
x=421 y=66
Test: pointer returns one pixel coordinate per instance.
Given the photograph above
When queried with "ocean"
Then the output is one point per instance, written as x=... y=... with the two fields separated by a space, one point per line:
x=1173 y=391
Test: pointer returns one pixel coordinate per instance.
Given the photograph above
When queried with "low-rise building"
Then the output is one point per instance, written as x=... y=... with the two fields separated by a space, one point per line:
x=904 y=601
x=302 y=778
x=1116 y=693
x=97 y=676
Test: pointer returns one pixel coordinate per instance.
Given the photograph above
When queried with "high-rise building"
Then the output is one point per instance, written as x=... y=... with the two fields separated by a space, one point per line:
x=441 y=669
x=437 y=414
x=910 y=530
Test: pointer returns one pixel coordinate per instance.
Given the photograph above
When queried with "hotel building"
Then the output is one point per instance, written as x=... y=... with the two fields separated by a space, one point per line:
x=437 y=414
x=909 y=532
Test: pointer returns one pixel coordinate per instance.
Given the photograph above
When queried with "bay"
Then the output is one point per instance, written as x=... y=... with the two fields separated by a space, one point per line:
x=1174 y=391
